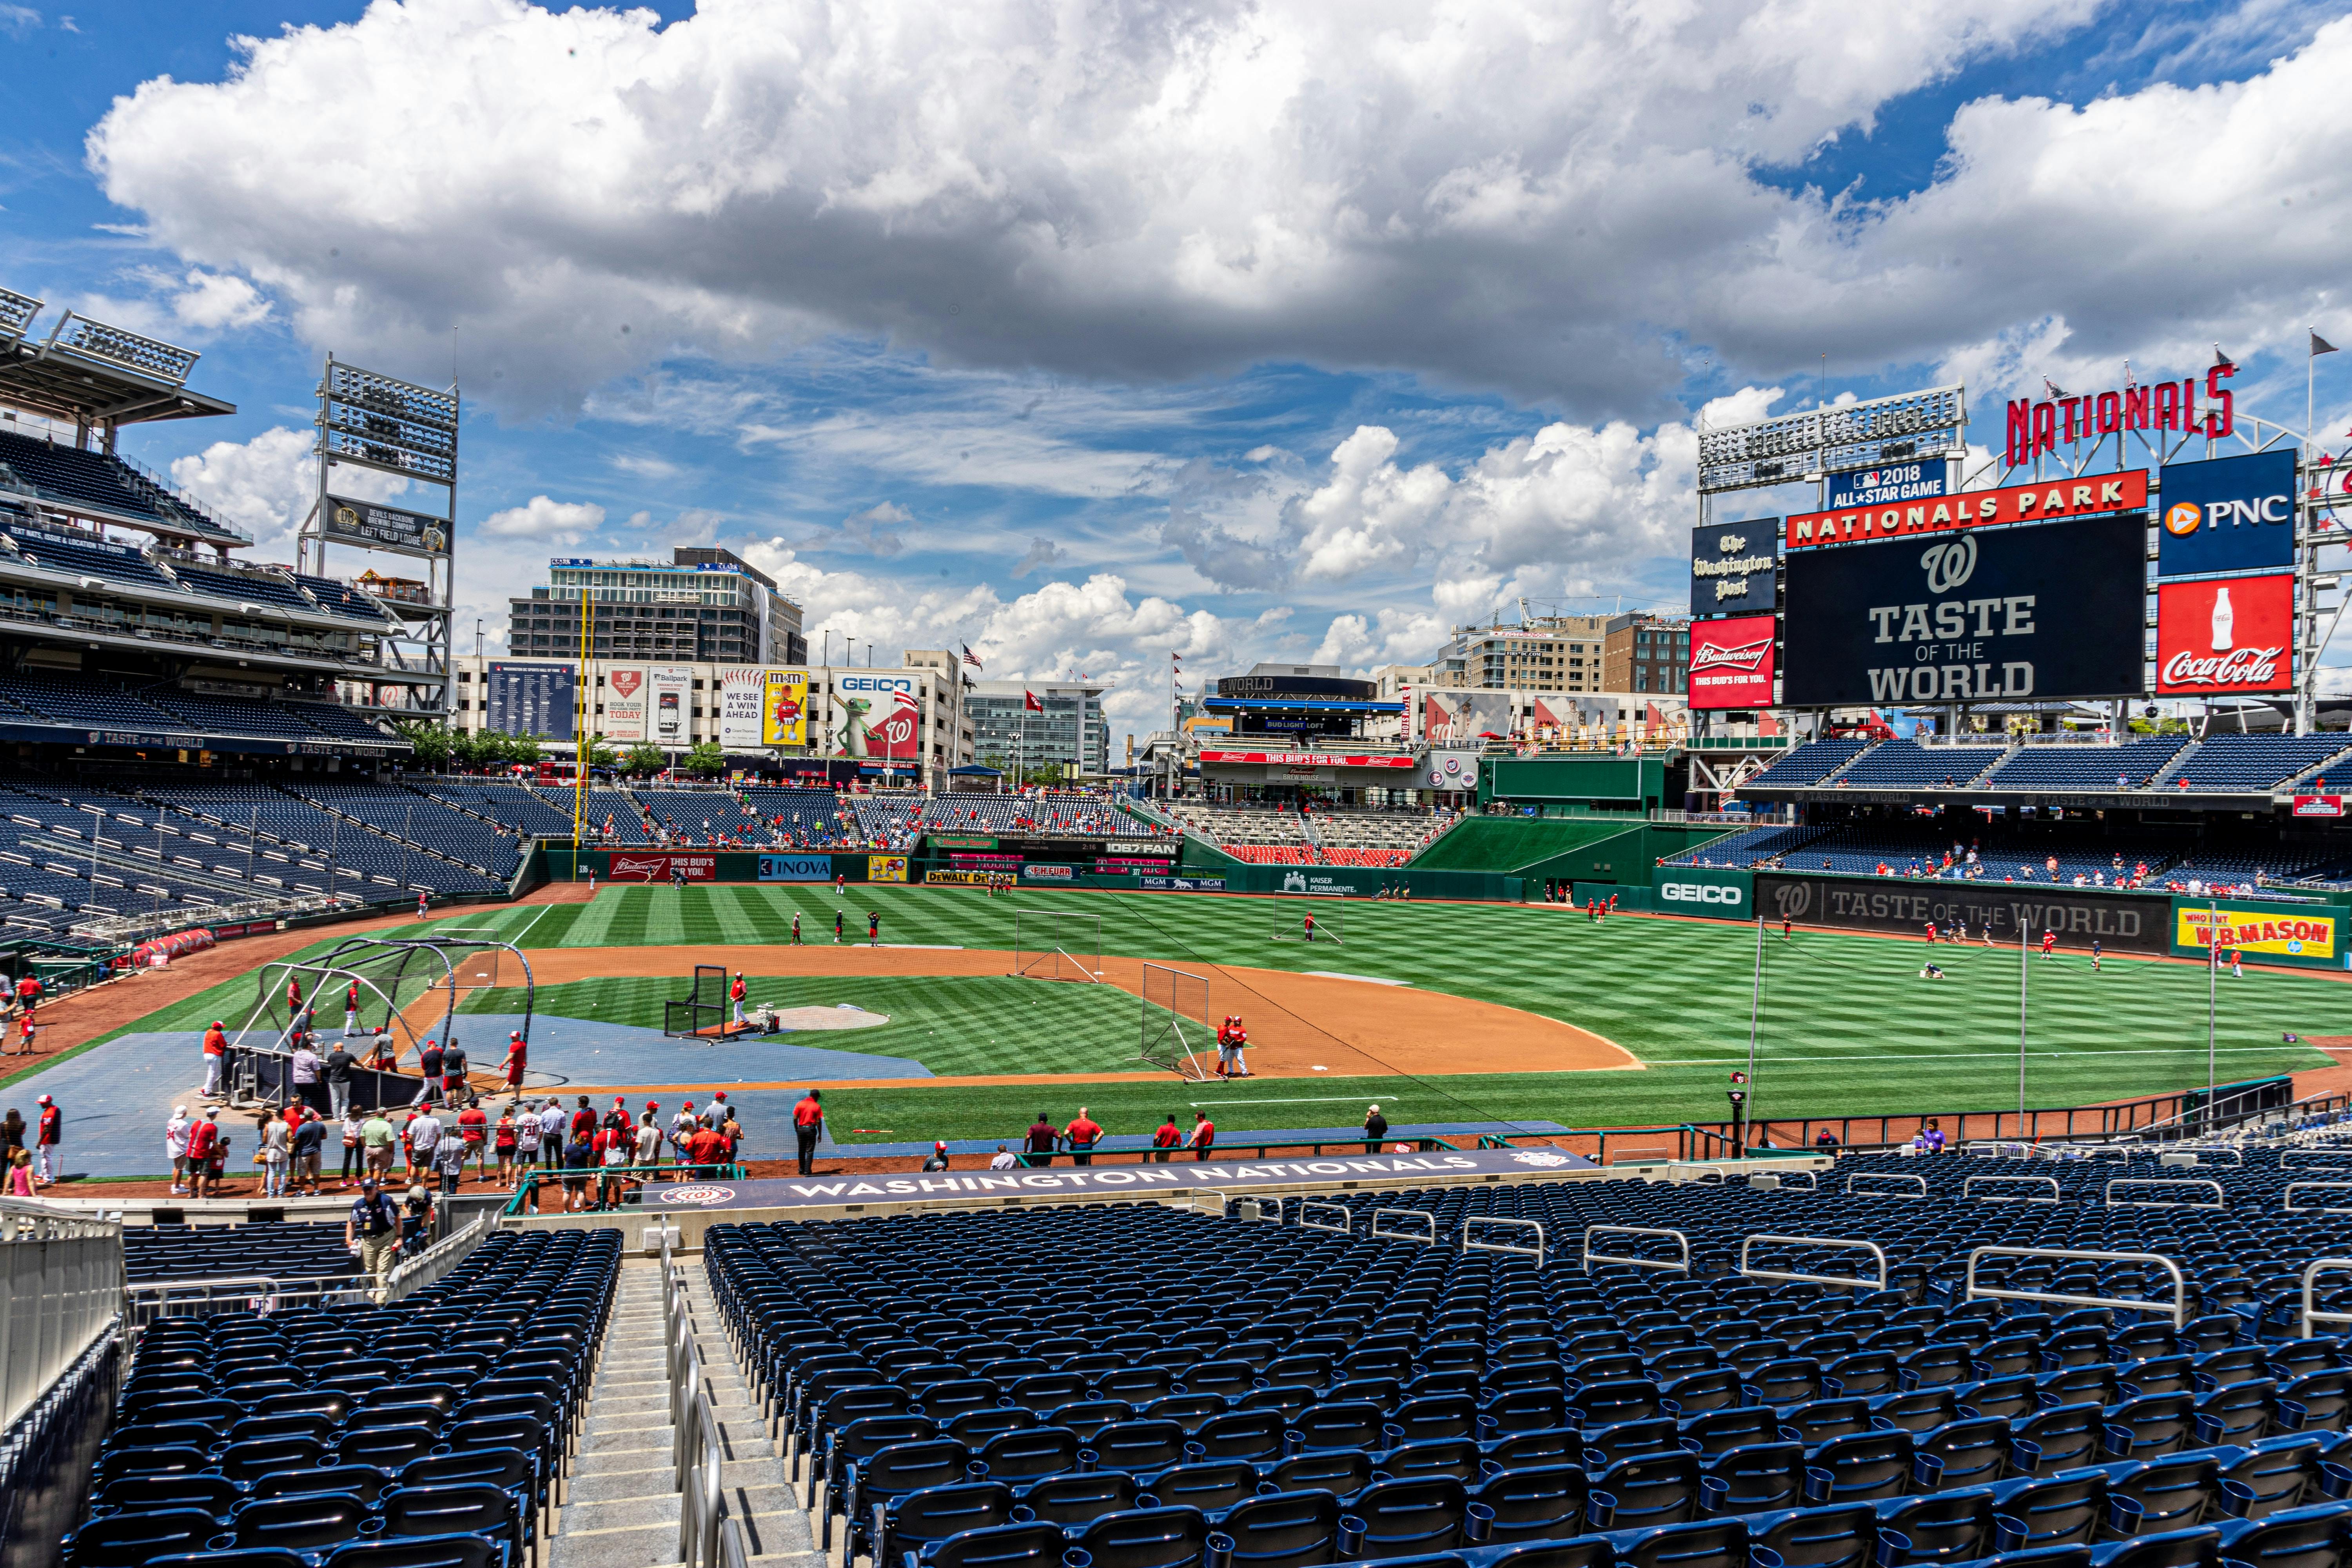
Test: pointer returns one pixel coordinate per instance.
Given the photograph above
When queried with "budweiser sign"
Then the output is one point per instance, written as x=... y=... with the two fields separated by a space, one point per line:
x=2123 y=491
x=625 y=868
x=1731 y=662
x=2225 y=635
x=1308 y=759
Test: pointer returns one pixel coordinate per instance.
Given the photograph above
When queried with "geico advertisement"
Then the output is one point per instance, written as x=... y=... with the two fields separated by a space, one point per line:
x=1696 y=894
x=2052 y=611
x=2297 y=935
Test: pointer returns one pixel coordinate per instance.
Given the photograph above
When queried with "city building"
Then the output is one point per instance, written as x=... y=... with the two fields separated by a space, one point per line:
x=1550 y=653
x=907 y=724
x=1007 y=733
x=1645 y=652
x=702 y=605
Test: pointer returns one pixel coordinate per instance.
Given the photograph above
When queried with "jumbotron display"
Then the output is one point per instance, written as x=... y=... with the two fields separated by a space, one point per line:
x=2055 y=611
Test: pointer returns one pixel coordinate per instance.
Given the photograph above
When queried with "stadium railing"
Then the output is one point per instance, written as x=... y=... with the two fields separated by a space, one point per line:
x=635 y=1178
x=1251 y=1148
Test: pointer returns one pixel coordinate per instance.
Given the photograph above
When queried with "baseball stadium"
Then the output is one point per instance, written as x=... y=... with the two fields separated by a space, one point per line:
x=1851 y=1074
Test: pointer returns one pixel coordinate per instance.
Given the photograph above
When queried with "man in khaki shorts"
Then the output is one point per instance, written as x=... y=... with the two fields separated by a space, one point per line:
x=378 y=1140
x=373 y=1231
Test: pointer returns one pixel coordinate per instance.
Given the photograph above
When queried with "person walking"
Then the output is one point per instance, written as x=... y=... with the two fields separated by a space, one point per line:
x=1203 y=1136
x=339 y=1064
x=735 y=994
x=352 y=1009
x=1038 y=1144
x=215 y=1056
x=425 y=1135
x=309 y=1143
x=48 y=1132
x=373 y=1231
x=1376 y=1127
x=428 y=1068
x=796 y=928
x=1083 y=1134
x=808 y=1127
x=175 y=1148
x=203 y=1143
x=1164 y=1142
x=511 y=1065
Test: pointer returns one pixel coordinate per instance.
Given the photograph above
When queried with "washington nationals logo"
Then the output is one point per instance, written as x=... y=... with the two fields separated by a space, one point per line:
x=1951 y=564
x=699 y=1198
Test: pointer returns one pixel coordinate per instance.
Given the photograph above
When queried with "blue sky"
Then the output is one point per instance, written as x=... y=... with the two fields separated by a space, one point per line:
x=1246 y=331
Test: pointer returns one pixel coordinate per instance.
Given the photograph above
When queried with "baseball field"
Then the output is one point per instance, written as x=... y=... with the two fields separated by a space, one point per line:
x=1441 y=1013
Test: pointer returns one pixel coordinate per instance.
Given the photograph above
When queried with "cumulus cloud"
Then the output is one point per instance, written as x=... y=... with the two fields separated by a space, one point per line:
x=1521 y=196
x=267 y=485
x=541 y=518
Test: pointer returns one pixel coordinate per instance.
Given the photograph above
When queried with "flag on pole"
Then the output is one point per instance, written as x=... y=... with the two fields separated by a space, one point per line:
x=970 y=658
x=2222 y=361
x=2320 y=345
x=1029 y=703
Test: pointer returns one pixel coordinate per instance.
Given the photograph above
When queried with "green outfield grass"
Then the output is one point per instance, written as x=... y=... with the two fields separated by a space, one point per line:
x=1846 y=1026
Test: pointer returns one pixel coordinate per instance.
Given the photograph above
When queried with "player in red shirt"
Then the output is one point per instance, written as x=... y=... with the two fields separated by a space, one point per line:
x=808 y=1126
x=1931 y=931
x=518 y=1049
x=1083 y=1133
x=474 y=1127
x=1165 y=1140
x=1203 y=1137
x=2049 y=943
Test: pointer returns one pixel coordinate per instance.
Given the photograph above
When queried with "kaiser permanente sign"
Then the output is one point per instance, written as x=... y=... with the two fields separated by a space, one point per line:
x=2125 y=492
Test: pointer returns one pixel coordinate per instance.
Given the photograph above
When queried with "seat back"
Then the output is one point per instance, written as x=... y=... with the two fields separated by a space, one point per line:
x=1283 y=1530
x=1167 y=1537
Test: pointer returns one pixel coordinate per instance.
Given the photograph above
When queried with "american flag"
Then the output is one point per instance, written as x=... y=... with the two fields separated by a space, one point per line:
x=970 y=658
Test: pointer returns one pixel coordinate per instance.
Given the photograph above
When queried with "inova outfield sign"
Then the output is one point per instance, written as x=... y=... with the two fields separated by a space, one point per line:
x=1719 y=891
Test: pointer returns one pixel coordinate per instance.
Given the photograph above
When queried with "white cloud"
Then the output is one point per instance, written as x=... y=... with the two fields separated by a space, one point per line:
x=19 y=20
x=212 y=300
x=1042 y=551
x=1512 y=195
x=556 y=521
x=266 y=486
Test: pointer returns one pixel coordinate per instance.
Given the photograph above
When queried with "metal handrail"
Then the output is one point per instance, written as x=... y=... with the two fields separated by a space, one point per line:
x=144 y=1303
x=1782 y=1178
x=1886 y=1177
x=1536 y=1252
x=2179 y=1308
x=436 y=1261
x=1308 y=1209
x=1389 y=1233
x=2287 y=1198
x=2056 y=1195
x=2220 y=1199
x=2311 y=1313
x=1268 y=1209
x=1839 y=1243
x=1592 y=1258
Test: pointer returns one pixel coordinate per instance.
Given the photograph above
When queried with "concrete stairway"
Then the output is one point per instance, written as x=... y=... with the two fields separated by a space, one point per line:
x=621 y=1509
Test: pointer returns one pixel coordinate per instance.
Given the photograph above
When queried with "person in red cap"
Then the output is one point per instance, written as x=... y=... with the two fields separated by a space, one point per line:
x=52 y=1161
x=216 y=1053
x=735 y=994
x=517 y=1049
x=938 y=1158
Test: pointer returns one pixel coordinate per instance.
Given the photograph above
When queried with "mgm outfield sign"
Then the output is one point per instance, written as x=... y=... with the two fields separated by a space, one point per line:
x=2010 y=910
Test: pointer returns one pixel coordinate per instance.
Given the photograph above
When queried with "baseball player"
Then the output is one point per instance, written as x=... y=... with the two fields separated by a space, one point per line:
x=837 y=918
x=796 y=928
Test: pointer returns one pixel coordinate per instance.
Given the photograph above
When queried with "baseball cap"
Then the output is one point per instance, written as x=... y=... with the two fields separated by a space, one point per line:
x=211 y=1111
x=178 y=1111
x=940 y=1148
x=45 y=1099
x=367 y=1183
x=653 y=1105
x=620 y=1100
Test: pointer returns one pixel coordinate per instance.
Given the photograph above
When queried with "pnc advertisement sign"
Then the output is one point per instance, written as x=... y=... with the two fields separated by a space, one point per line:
x=2051 y=611
x=2227 y=514
x=2225 y=635
x=1731 y=662
x=2045 y=502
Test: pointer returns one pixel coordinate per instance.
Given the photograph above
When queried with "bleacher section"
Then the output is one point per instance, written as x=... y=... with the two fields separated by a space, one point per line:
x=1265 y=836
x=2254 y=764
x=366 y=863
x=437 y=1431
x=1907 y=764
x=1150 y=1388
x=405 y=814
x=229 y=715
x=341 y=599
x=338 y=723
x=88 y=703
x=1811 y=762
x=1749 y=847
x=83 y=556
x=2136 y=763
x=284 y=1251
x=68 y=474
x=516 y=806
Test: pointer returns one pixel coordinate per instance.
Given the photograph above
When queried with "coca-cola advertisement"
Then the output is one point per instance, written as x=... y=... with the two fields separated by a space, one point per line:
x=1731 y=662
x=2225 y=635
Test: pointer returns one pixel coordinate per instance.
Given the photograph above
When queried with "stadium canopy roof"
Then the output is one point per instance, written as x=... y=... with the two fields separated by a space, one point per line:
x=89 y=373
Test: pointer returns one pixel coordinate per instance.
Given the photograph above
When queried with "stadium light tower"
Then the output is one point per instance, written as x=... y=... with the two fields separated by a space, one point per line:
x=369 y=420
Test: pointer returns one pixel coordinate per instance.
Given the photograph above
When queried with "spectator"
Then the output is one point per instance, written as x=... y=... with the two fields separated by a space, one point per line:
x=1040 y=1143
x=355 y=1147
x=613 y=1145
x=309 y=1142
x=1083 y=1134
x=175 y=1148
x=474 y=1127
x=449 y=1157
x=416 y=1219
x=1825 y=1138
x=20 y=1175
x=937 y=1159
x=1165 y=1142
x=339 y=1063
x=528 y=1131
x=579 y=1163
x=305 y=1072
x=204 y=1139
x=376 y=1139
x=428 y=1068
x=424 y=1134
x=1004 y=1160
x=808 y=1126
x=551 y=1122
x=707 y=1149
x=1203 y=1136
x=274 y=1148
x=373 y=1230
x=648 y=1137
x=502 y=1141
x=1376 y=1127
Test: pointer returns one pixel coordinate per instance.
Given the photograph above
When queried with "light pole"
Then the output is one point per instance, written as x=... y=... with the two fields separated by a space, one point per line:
x=2024 y=967
x=1755 y=1015
x=2212 y=987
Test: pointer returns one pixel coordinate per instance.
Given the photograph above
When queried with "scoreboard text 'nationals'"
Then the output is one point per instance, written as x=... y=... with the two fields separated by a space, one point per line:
x=2054 y=611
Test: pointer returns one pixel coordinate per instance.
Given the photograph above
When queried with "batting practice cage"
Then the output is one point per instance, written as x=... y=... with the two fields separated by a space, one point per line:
x=1176 y=1036
x=702 y=1012
x=1057 y=944
x=1319 y=923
